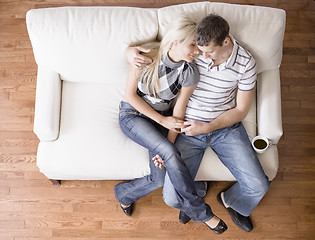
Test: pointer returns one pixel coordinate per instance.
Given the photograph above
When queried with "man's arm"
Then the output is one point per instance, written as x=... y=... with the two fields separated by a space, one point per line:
x=228 y=118
x=135 y=58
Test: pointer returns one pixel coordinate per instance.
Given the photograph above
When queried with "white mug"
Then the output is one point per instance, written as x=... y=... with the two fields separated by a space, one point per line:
x=260 y=144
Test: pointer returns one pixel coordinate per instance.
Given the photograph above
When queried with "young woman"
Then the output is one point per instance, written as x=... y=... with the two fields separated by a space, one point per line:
x=146 y=116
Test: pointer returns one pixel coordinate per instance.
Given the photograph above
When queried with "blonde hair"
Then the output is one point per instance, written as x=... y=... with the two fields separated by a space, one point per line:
x=181 y=29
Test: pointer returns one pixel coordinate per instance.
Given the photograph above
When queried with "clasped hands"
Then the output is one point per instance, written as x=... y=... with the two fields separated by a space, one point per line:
x=190 y=128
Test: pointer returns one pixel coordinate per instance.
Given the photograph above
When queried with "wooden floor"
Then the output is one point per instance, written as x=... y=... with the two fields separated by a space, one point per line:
x=32 y=209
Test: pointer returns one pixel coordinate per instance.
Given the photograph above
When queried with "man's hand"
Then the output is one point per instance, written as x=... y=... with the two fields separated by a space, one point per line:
x=135 y=58
x=172 y=123
x=193 y=128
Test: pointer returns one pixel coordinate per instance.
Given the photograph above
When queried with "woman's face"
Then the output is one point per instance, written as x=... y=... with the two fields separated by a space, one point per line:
x=186 y=52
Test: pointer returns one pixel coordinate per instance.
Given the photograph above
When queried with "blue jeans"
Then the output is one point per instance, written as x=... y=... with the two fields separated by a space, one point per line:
x=147 y=133
x=234 y=149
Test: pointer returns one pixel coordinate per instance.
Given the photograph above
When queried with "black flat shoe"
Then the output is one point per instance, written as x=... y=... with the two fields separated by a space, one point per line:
x=183 y=218
x=220 y=228
x=127 y=210
x=243 y=222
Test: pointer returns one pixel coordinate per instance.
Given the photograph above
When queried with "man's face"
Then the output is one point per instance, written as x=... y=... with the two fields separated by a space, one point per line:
x=213 y=51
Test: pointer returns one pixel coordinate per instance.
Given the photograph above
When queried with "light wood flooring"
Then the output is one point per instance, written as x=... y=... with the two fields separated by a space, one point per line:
x=32 y=209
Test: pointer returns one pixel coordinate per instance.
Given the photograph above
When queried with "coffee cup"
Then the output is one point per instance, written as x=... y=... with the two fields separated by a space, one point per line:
x=260 y=144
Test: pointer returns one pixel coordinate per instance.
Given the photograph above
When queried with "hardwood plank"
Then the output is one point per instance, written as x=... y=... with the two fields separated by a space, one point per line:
x=294 y=119
x=302 y=188
x=64 y=238
x=4 y=190
x=46 y=233
x=55 y=224
x=108 y=208
x=23 y=182
x=9 y=207
x=47 y=207
x=301 y=201
x=17 y=135
x=11 y=175
x=11 y=224
x=307 y=104
x=34 y=175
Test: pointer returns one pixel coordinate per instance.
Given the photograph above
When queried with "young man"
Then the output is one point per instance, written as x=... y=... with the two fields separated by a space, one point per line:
x=213 y=119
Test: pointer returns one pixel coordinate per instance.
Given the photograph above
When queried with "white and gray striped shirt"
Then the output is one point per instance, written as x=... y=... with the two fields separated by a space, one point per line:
x=216 y=90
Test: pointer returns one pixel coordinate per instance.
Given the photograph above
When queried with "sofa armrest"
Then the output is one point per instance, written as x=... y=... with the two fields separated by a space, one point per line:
x=269 y=119
x=47 y=104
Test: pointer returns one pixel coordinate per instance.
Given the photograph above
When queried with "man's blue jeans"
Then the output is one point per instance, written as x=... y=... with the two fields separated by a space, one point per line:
x=234 y=149
x=148 y=134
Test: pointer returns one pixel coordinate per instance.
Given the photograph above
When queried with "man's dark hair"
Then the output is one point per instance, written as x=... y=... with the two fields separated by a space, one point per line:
x=212 y=28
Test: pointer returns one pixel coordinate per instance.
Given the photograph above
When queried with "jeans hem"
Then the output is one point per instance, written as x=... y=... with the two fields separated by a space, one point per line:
x=119 y=199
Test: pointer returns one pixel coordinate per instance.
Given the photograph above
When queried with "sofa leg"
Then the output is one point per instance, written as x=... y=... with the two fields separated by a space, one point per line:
x=55 y=182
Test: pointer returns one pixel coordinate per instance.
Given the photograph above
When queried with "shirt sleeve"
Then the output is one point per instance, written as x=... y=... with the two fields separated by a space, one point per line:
x=248 y=79
x=190 y=75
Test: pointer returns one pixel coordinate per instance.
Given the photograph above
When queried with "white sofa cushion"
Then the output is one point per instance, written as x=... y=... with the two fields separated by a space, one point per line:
x=87 y=44
x=259 y=29
x=91 y=144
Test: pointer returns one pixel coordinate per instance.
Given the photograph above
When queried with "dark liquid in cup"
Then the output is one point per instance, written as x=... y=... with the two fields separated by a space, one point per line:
x=260 y=144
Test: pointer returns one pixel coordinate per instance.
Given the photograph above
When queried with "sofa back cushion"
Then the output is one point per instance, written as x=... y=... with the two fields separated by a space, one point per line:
x=73 y=41
x=259 y=29
x=86 y=44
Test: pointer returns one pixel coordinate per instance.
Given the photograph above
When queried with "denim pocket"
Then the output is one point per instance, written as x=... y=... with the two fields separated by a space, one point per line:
x=126 y=109
x=124 y=112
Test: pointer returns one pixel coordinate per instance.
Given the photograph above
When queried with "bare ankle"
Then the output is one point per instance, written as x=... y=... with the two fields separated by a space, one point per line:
x=213 y=222
x=125 y=206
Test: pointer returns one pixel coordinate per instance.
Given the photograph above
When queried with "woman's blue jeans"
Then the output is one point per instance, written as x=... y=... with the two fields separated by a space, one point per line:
x=234 y=149
x=148 y=134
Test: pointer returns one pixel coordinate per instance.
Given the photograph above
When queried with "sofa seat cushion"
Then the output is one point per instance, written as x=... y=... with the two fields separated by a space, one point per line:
x=91 y=144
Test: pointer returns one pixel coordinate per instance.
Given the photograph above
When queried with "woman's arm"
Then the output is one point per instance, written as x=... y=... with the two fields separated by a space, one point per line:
x=138 y=103
x=178 y=112
x=180 y=108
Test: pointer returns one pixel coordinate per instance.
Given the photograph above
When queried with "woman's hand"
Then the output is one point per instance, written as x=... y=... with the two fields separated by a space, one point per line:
x=158 y=161
x=172 y=123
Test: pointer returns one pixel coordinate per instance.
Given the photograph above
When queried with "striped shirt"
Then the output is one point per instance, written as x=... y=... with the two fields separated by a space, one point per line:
x=216 y=90
x=172 y=76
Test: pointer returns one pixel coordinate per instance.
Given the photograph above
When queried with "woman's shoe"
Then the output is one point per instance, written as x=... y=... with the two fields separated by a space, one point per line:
x=127 y=210
x=220 y=228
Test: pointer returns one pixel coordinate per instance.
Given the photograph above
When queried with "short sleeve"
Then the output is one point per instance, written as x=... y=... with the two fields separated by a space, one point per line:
x=248 y=79
x=190 y=75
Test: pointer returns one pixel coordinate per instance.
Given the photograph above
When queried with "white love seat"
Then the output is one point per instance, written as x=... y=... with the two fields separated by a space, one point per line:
x=81 y=78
